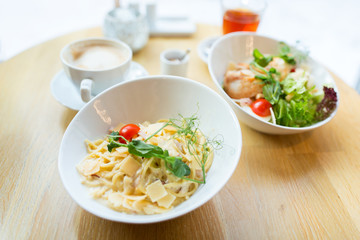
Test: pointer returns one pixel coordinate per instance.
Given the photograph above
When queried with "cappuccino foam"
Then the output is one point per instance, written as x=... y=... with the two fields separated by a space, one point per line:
x=98 y=57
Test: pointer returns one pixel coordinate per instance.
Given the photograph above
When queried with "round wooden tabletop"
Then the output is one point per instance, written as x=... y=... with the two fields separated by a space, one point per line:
x=304 y=186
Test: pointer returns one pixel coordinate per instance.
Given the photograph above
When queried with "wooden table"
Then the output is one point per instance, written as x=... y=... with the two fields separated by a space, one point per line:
x=304 y=186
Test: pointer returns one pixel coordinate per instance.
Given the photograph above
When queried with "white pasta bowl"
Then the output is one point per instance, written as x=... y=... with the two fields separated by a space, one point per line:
x=150 y=99
x=238 y=47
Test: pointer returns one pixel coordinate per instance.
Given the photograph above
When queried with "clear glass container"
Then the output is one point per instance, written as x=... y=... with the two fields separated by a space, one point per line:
x=242 y=15
x=127 y=25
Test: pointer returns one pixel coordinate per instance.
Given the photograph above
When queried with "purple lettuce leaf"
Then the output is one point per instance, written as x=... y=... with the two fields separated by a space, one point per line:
x=327 y=104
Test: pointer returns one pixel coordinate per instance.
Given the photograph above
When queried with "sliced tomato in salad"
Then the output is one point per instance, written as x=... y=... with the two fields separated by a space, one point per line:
x=129 y=131
x=261 y=107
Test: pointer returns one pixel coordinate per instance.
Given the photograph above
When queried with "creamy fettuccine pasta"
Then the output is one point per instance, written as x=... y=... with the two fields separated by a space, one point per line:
x=139 y=185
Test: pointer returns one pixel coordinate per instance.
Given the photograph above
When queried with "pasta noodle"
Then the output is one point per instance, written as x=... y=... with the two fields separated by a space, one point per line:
x=138 y=185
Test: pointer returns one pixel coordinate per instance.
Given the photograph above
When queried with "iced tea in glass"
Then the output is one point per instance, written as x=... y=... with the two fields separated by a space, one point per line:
x=242 y=15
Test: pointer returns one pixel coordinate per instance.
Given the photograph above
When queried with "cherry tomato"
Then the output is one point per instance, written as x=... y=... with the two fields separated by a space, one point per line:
x=129 y=131
x=261 y=107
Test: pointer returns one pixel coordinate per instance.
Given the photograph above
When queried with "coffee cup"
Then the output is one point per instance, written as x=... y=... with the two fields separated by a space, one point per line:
x=95 y=64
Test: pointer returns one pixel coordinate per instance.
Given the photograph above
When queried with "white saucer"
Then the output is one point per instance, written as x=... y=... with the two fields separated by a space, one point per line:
x=65 y=92
x=205 y=46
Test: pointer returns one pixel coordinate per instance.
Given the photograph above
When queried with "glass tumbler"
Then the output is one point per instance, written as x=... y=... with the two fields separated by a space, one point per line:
x=242 y=15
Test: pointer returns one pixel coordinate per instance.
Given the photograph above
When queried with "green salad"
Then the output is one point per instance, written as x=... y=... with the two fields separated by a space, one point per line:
x=280 y=89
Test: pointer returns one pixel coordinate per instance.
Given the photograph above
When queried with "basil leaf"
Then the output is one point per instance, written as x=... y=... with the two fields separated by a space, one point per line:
x=142 y=149
x=175 y=164
x=179 y=168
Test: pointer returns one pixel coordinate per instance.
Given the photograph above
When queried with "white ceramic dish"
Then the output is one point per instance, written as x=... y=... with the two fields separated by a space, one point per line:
x=238 y=47
x=204 y=47
x=65 y=92
x=151 y=98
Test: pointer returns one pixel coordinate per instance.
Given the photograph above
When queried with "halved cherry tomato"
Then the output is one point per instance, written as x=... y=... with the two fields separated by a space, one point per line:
x=261 y=107
x=129 y=131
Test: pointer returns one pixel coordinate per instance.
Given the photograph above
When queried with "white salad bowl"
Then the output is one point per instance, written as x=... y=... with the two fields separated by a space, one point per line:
x=238 y=47
x=150 y=99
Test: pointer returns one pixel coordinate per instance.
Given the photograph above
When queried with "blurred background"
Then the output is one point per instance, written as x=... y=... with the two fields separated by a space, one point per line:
x=329 y=28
